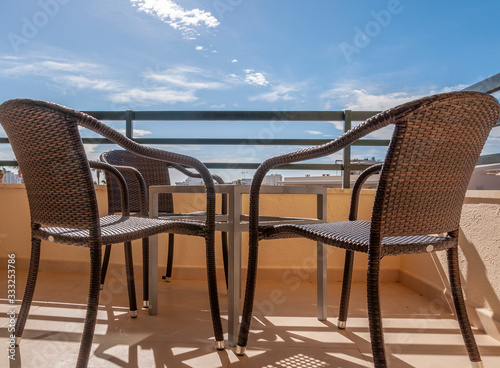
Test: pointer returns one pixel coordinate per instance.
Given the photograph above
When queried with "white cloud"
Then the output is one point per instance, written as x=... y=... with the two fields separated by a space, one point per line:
x=257 y=79
x=199 y=48
x=280 y=92
x=314 y=132
x=339 y=125
x=234 y=61
x=137 y=132
x=90 y=151
x=186 y=21
x=221 y=106
x=153 y=96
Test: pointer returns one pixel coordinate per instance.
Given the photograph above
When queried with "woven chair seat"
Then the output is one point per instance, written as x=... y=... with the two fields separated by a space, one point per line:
x=355 y=235
x=117 y=229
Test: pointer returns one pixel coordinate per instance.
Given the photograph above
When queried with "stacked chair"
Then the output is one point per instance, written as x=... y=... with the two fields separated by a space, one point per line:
x=140 y=173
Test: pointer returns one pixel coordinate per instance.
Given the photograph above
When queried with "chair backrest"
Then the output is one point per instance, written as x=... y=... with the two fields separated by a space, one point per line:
x=434 y=148
x=154 y=173
x=50 y=153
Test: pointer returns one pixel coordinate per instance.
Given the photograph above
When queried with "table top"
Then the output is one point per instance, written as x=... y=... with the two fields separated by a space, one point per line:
x=235 y=215
x=244 y=189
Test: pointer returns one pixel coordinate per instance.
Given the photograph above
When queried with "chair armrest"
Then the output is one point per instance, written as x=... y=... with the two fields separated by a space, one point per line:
x=140 y=180
x=119 y=178
x=356 y=189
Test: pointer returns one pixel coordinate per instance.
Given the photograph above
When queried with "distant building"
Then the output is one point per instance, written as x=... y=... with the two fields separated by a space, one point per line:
x=485 y=177
x=272 y=179
x=190 y=181
x=326 y=180
x=11 y=178
x=335 y=181
x=244 y=181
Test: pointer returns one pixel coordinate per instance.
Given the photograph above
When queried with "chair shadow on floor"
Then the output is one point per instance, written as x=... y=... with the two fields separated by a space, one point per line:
x=289 y=336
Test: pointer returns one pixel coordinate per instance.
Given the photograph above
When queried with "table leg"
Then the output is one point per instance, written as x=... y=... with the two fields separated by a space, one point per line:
x=234 y=288
x=321 y=281
x=153 y=275
x=153 y=259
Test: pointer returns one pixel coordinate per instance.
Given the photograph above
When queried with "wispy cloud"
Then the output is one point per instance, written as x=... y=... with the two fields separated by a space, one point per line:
x=186 y=21
x=60 y=73
x=153 y=96
x=279 y=92
x=354 y=98
x=20 y=67
x=81 y=82
x=314 y=132
x=183 y=77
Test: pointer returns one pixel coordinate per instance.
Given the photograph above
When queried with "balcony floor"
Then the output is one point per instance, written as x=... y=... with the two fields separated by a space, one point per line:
x=418 y=332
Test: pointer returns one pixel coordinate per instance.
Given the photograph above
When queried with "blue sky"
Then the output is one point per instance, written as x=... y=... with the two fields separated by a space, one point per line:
x=244 y=55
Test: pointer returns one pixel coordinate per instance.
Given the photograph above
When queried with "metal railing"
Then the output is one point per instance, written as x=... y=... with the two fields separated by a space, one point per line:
x=347 y=117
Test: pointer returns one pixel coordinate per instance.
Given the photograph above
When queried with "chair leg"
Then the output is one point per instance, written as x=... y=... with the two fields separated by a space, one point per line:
x=145 y=272
x=346 y=289
x=225 y=256
x=92 y=306
x=105 y=263
x=246 y=316
x=374 y=315
x=170 y=258
x=129 y=266
x=458 y=300
x=30 y=289
x=212 y=292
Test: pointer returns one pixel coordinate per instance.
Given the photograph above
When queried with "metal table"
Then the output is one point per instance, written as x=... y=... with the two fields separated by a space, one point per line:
x=234 y=223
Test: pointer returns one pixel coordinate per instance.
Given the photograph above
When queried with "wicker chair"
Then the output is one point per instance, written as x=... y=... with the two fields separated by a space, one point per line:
x=434 y=148
x=140 y=173
x=63 y=205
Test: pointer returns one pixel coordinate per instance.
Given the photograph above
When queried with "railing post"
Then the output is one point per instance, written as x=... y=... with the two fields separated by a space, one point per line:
x=346 y=167
x=129 y=124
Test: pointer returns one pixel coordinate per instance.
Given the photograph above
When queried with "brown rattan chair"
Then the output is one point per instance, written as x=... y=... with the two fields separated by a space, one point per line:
x=434 y=148
x=140 y=173
x=63 y=205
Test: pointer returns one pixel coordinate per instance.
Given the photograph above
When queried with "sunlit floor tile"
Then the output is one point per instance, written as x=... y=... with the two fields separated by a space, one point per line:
x=284 y=332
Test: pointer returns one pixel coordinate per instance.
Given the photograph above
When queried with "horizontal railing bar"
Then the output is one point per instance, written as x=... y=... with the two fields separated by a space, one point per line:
x=238 y=141
x=253 y=166
x=243 y=165
x=255 y=142
x=231 y=115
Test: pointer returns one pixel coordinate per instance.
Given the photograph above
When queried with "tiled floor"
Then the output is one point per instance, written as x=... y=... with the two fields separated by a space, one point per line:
x=285 y=332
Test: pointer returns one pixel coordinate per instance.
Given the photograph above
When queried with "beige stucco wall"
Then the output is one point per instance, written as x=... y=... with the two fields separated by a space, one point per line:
x=275 y=256
x=479 y=244
x=479 y=252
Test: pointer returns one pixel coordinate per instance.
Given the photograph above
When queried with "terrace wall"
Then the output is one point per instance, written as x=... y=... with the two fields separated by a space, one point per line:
x=295 y=258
